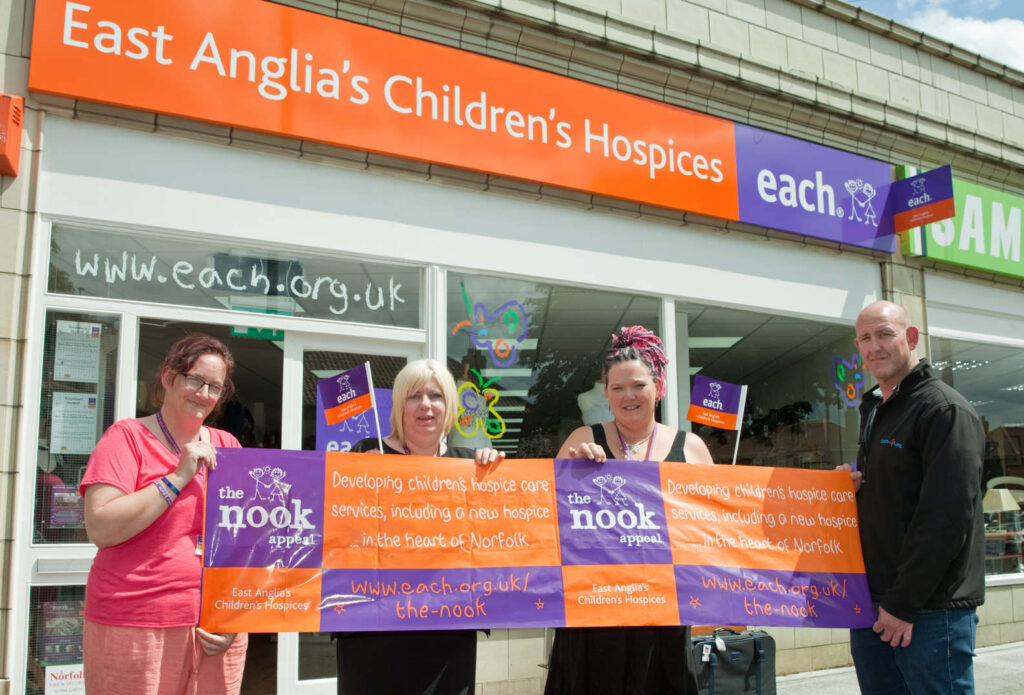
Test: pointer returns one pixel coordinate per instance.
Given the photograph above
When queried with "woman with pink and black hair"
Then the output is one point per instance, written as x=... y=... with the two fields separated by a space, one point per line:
x=627 y=660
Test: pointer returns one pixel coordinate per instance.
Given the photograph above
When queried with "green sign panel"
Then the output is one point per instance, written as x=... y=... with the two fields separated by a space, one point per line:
x=259 y=333
x=984 y=234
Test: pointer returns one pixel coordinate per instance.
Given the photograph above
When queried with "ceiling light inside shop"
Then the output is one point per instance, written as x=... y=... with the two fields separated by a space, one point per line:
x=721 y=342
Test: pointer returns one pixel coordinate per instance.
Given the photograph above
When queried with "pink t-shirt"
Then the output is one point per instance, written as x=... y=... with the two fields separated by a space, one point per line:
x=151 y=580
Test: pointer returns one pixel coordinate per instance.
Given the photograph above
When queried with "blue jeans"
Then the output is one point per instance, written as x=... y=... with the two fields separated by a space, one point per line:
x=938 y=661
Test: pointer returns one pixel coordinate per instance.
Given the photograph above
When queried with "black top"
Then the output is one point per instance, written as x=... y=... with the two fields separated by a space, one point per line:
x=650 y=660
x=426 y=662
x=370 y=443
x=676 y=453
x=921 y=525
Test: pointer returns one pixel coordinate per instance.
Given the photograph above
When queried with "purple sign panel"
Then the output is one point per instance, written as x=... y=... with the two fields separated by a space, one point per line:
x=346 y=413
x=809 y=189
x=441 y=598
x=611 y=514
x=264 y=508
x=923 y=198
x=766 y=597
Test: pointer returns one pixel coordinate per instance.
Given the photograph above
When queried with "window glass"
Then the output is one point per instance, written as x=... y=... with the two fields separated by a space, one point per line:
x=224 y=275
x=991 y=377
x=55 y=638
x=523 y=353
x=76 y=404
x=253 y=412
x=804 y=385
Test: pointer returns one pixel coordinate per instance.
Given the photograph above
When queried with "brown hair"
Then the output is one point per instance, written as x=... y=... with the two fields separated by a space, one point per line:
x=184 y=354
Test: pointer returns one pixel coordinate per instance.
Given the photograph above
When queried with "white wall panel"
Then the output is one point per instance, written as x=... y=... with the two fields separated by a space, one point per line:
x=136 y=179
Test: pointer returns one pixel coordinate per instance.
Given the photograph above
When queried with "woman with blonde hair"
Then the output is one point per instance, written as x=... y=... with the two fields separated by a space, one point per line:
x=438 y=662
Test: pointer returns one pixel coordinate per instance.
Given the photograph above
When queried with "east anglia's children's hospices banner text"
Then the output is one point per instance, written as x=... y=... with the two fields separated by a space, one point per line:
x=303 y=541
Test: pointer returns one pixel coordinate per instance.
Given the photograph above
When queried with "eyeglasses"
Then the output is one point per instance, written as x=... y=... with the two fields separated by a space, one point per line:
x=196 y=384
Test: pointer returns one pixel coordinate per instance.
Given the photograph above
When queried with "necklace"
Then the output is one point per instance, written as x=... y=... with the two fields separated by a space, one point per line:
x=409 y=453
x=167 y=433
x=628 y=450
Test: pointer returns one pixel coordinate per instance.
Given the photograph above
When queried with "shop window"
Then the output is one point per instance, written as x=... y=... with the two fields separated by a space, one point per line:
x=76 y=404
x=55 y=640
x=990 y=377
x=804 y=385
x=522 y=353
x=253 y=413
x=224 y=274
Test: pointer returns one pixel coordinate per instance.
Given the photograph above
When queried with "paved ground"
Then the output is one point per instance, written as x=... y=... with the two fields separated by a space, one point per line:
x=998 y=670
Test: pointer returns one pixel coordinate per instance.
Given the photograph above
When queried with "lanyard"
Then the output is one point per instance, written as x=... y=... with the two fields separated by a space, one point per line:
x=167 y=433
x=650 y=442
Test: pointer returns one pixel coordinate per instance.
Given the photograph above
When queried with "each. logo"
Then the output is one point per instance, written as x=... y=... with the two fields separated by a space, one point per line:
x=862 y=193
x=630 y=515
x=891 y=442
x=268 y=484
x=848 y=378
x=611 y=489
x=714 y=398
x=920 y=196
x=345 y=390
x=269 y=505
x=360 y=424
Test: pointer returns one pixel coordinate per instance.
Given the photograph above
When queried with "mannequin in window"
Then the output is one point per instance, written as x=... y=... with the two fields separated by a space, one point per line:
x=593 y=405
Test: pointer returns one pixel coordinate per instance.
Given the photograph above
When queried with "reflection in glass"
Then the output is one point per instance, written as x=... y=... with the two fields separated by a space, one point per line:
x=522 y=353
x=221 y=275
x=991 y=377
x=804 y=384
x=76 y=404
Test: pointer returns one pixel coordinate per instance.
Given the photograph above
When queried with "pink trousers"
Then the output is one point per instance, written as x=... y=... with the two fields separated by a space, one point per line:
x=158 y=661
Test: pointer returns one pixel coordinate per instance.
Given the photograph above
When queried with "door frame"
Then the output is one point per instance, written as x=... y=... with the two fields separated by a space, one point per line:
x=409 y=344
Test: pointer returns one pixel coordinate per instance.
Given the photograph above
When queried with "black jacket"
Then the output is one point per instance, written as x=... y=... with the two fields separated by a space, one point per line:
x=921 y=524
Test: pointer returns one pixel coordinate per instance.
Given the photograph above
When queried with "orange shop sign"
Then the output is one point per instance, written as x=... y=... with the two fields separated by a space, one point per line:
x=275 y=69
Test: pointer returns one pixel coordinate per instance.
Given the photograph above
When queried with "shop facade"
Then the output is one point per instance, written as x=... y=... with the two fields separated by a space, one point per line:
x=131 y=228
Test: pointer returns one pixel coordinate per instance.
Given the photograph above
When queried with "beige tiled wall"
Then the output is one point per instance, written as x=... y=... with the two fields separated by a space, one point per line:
x=16 y=203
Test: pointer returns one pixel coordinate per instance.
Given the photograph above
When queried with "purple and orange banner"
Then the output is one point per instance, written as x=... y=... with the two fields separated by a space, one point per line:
x=922 y=199
x=304 y=75
x=348 y=407
x=717 y=403
x=313 y=541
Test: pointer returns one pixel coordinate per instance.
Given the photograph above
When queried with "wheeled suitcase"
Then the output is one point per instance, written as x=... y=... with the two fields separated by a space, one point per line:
x=729 y=662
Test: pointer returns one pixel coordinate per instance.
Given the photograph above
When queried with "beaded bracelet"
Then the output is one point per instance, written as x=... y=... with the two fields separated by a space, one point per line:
x=170 y=486
x=163 y=493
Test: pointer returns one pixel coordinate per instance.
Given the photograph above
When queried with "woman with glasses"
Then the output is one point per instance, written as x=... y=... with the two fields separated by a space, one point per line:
x=143 y=493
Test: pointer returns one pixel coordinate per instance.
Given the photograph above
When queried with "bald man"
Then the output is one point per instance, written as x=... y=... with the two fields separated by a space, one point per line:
x=919 y=469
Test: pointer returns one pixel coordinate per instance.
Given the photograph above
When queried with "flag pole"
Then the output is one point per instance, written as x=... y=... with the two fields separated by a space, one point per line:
x=373 y=404
x=739 y=421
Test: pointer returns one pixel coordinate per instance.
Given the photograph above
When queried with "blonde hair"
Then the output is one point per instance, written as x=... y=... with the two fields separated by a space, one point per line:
x=413 y=377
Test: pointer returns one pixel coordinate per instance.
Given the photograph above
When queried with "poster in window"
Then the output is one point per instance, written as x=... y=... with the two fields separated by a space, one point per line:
x=73 y=423
x=77 y=351
x=68 y=679
x=60 y=638
x=66 y=507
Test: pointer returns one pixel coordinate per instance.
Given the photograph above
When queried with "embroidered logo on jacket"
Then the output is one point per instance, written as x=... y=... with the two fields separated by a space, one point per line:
x=891 y=442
